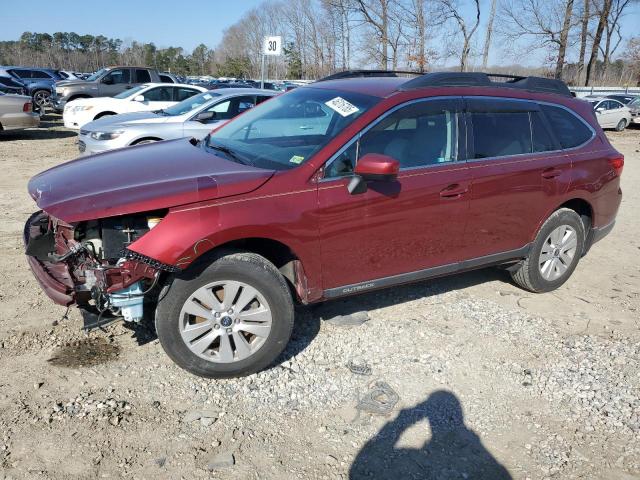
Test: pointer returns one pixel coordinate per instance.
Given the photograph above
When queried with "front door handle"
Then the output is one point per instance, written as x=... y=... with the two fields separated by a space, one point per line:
x=551 y=173
x=454 y=190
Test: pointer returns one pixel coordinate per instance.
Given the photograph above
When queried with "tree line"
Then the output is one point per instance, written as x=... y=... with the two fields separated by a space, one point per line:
x=580 y=41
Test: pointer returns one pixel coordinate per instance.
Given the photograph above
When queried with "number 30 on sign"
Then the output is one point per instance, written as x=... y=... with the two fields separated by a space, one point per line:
x=272 y=46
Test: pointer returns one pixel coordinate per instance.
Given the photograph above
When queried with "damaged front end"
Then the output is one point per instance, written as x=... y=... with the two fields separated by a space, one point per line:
x=89 y=264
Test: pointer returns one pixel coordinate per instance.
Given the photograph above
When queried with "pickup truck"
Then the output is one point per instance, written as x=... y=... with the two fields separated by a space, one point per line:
x=106 y=82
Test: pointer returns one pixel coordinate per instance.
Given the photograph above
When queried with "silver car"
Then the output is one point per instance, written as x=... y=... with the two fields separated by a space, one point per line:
x=194 y=117
x=16 y=111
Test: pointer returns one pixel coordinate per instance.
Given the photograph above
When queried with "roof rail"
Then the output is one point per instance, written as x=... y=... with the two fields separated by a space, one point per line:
x=366 y=74
x=480 y=79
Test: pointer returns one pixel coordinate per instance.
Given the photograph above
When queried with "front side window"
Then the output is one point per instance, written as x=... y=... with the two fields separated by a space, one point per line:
x=289 y=129
x=568 y=129
x=115 y=77
x=418 y=135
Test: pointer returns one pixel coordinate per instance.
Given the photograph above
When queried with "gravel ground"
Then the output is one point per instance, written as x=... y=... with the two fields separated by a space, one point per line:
x=480 y=379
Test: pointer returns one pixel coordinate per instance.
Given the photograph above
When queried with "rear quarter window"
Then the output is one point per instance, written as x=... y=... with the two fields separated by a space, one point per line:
x=569 y=129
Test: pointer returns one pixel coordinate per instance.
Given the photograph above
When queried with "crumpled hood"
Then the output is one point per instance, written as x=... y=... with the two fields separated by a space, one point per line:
x=140 y=179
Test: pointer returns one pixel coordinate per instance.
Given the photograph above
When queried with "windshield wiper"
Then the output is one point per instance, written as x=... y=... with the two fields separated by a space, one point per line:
x=230 y=153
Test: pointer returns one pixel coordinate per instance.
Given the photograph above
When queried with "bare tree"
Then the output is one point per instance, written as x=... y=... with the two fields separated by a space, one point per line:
x=487 y=38
x=597 y=38
x=584 y=33
x=613 y=28
x=452 y=11
x=548 y=23
x=375 y=13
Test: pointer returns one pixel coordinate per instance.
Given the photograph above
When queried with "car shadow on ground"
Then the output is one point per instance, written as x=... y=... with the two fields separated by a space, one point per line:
x=452 y=451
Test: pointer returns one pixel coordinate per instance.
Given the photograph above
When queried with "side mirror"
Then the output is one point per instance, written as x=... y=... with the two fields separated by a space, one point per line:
x=599 y=110
x=107 y=80
x=138 y=98
x=373 y=167
x=205 y=116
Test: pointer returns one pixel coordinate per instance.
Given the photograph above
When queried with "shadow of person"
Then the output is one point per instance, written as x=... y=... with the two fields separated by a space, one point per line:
x=454 y=451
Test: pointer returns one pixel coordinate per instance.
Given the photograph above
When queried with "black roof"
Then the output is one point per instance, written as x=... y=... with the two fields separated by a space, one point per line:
x=461 y=79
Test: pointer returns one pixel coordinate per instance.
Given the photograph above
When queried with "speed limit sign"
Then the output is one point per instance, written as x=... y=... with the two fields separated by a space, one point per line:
x=272 y=46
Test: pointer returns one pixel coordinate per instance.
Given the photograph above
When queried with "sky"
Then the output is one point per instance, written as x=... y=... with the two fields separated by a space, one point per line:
x=166 y=23
x=188 y=23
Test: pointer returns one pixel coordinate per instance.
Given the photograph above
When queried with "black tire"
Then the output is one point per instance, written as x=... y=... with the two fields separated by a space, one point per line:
x=246 y=267
x=528 y=276
x=145 y=141
x=622 y=124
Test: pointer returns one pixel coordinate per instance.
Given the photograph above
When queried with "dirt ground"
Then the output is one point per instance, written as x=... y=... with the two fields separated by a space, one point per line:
x=491 y=381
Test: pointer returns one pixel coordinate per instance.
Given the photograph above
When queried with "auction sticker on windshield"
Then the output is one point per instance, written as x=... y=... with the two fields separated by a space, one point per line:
x=341 y=106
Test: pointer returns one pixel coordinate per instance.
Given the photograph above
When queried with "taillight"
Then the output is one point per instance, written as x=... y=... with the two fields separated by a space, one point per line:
x=26 y=107
x=617 y=163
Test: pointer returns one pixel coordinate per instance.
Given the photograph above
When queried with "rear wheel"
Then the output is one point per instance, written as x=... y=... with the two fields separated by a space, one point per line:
x=554 y=253
x=622 y=124
x=41 y=98
x=231 y=319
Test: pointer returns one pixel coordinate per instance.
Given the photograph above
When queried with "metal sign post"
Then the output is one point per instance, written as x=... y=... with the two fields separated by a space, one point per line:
x=272 y=46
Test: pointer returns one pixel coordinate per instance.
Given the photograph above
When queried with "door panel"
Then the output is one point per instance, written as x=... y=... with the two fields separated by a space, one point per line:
x=408 y=224
x=513 y=189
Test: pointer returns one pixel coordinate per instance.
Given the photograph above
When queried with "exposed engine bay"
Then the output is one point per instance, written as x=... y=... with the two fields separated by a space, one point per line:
x=92 y=263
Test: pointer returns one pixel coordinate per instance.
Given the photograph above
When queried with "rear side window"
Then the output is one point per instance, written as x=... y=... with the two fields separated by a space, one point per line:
x=499 y=134
x=568 y=129
x=142 y=76
x=166 y=79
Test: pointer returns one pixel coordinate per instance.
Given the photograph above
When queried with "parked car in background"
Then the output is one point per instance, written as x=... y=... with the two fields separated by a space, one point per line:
x=409 y=179
x=12 y=85
x=193 y=117
x=624 y=98
x=106 y=82
x=634 y=109
x=611 y=113
x=40 y=82
x=166 y=77
x=16 y=111
x=147 y=97
x=67 y=75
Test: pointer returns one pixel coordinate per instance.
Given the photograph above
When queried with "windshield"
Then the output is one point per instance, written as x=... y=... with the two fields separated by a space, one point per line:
x=635 y=102
x=190 y=103
x=287 y=130
x=95 y=76
x=131 y=91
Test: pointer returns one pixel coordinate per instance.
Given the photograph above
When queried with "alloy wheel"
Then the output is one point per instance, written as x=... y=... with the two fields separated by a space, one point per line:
x=225 y=321
x=41 y=98
x=558 y=252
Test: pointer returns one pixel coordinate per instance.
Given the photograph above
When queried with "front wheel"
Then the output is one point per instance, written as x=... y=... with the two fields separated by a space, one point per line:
x=554 y=253
x=622 y=124
x=230 y=319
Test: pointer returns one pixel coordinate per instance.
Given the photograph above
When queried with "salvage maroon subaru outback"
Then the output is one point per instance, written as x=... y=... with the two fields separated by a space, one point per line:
x=340 y=187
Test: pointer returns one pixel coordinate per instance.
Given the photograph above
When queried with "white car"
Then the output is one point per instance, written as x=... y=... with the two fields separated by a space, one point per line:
x=16 y=112
x=611 y=113
x=194 y=117
x=142 y=98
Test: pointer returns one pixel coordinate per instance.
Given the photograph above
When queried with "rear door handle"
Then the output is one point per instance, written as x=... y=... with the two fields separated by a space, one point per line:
x=551 y=173
x=454 y=190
